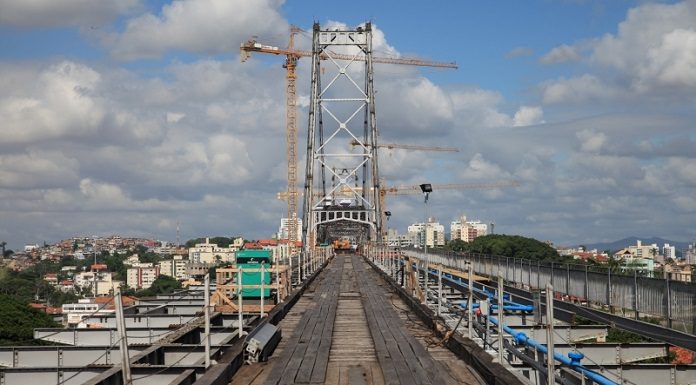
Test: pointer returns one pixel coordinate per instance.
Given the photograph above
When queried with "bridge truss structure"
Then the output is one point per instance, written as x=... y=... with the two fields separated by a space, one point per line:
x=342 y=107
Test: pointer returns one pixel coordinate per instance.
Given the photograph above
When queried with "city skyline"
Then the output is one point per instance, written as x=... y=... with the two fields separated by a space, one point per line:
x=130 y=116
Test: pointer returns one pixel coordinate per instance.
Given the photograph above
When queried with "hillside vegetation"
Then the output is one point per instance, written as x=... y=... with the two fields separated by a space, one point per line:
x=513 y=246
x=18 y=320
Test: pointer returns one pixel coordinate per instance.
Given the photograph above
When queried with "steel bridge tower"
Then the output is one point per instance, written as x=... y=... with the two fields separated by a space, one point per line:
x=341 y=110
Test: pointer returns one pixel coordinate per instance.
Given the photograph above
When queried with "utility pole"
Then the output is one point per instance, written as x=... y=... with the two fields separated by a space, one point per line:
x=239 y=298
x=123 y=339
x=471 y=300
x=94 y=267
x=206 y=304
x=263 y=293
x=550 y=361
x=501 y=310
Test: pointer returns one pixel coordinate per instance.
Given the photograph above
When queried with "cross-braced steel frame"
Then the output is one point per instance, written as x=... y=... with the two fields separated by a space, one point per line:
x=343 y=101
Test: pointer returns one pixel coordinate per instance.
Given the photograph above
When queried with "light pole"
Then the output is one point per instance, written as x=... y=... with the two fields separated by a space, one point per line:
x=387 y=214
x=427 y=188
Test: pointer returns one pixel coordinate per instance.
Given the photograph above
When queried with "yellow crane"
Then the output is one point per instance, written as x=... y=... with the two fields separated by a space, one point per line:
x=292 y=55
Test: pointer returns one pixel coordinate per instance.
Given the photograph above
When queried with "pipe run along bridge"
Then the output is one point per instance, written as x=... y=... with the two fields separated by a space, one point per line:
x=381 y=316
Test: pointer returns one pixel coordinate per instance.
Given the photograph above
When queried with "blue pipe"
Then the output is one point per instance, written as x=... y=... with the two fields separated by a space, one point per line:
x=572 y=360
x=505 y=307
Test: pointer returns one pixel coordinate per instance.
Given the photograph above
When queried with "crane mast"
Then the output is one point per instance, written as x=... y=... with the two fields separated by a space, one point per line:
x=291 y=135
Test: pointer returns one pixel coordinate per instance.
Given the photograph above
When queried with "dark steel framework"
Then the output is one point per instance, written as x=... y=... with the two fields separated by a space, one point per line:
x=341 y=190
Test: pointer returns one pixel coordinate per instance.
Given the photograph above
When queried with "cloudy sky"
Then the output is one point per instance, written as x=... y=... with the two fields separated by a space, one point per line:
x=128 y=116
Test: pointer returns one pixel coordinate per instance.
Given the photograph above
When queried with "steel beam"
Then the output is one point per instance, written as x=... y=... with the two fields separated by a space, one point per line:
x=101 y=337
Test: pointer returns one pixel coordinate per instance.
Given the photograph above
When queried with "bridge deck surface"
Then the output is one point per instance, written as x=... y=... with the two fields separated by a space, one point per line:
x=348 y=328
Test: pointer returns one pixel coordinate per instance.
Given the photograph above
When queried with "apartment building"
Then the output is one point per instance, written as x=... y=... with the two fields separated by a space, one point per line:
x=142 y=275
x=467 y=230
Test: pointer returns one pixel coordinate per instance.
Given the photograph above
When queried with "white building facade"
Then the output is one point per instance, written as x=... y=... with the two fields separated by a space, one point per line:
x=466 y=230
x=103 y=281
x=175 y=268
x=211 y=253
x=142 y=276
x=431 y=233
x=669 y=251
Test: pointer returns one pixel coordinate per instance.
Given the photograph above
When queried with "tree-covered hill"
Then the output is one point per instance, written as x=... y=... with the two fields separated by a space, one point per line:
x=508 y=246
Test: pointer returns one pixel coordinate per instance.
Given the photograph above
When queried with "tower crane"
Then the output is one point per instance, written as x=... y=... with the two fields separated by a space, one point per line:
x=292 y=55
x=413 y=147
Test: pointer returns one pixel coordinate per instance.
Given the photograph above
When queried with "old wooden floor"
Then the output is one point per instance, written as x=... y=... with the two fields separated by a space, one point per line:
x=348 y=328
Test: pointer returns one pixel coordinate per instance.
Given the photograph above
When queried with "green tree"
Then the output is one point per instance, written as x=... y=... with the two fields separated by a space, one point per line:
x=220 y=241
x=17 y=322
x=513 y=246
x=164 y=284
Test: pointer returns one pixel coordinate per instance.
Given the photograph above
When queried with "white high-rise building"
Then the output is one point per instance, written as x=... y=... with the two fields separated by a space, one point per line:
x=467 y=231
x=690 y=255
x=283 y=229
x=434 y=234
x=669 y=251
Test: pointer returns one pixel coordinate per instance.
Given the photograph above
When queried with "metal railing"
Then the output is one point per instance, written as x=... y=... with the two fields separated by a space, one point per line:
x=629 y=293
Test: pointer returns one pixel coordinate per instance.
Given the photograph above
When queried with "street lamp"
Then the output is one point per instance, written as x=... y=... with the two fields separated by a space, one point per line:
x=427 y=188
x=387 y=214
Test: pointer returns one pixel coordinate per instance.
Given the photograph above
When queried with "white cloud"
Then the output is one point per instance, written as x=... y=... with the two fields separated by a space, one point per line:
x=60 y=102
x=52 y=13
x=479 y=168
x=655 y=46
x=561 y=54
x=672 y=63
x=576 y=90
x=528 y=116
x=37 y=169
x=201 y=26
x=519 y=52
x=478 y=108
x=591 y=141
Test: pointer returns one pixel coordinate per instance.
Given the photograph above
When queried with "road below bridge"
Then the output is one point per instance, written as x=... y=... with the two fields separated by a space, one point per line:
x=350 y=328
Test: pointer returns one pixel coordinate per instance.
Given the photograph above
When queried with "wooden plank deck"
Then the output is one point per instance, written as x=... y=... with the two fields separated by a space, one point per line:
x=349 y=329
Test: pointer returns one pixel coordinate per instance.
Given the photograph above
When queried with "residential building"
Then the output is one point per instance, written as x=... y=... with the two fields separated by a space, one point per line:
x=690 y=254
x=101 y=279
x=175 y=267
x=283 y=229
x=466 y=230
x=644 y=251
x=197 y=270
x=392 y=237
x=669 y=251
x=431 y=234
x=51 y=278
x=678 y=272
x=142 y=276
x=211 y=253
x=628 y=257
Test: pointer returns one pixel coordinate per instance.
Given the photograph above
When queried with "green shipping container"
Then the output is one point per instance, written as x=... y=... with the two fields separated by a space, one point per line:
x=252 y=259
